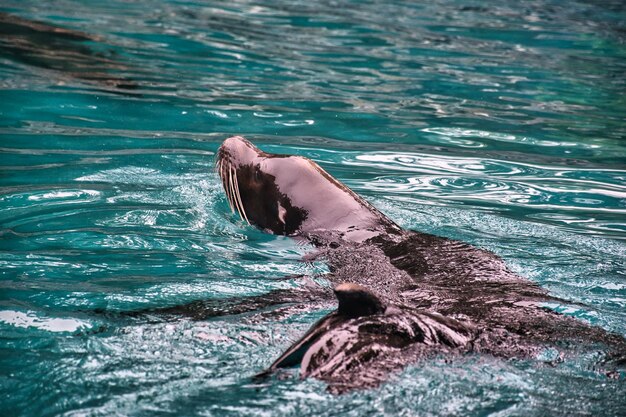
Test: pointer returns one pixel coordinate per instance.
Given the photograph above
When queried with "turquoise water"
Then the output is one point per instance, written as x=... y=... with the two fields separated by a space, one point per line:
x=501 y=125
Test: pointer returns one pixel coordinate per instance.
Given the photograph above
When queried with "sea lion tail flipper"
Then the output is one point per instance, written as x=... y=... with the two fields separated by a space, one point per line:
x=294 y=354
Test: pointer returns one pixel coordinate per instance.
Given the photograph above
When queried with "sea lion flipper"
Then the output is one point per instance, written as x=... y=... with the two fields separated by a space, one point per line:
x=205 y=309
x=294 y=354
x=356 y=301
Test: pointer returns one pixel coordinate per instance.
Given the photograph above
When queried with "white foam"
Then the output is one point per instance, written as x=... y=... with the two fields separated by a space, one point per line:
x=30 y=319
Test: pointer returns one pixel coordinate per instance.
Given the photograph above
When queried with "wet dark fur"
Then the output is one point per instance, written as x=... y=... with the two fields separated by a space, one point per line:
x=494 y=310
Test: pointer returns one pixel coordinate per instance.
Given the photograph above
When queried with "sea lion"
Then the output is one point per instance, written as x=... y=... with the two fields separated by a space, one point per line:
x=402 y=294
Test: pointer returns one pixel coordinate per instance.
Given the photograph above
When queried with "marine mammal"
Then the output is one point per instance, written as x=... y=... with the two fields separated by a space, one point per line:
x=402 y=294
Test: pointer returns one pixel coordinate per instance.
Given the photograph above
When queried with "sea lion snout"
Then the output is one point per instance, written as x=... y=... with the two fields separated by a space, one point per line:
x=237 y=150
x=237 y=141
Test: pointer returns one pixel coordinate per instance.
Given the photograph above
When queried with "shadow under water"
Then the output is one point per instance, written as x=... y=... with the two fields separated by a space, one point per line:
x=69 y=52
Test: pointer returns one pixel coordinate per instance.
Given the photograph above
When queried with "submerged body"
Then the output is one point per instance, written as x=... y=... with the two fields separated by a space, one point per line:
x=410 y=294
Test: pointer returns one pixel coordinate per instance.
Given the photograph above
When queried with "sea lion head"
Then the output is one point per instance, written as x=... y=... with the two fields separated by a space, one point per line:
x=290 y=195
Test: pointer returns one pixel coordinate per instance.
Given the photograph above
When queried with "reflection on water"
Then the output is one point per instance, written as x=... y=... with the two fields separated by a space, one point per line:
x=497 y=124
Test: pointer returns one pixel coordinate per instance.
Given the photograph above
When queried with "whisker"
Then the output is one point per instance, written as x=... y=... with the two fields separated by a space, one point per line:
x=227 y=189
x=238 y=190
x=232 y=190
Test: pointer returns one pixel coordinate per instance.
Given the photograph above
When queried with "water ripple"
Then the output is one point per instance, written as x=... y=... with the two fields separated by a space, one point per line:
x=498 y=124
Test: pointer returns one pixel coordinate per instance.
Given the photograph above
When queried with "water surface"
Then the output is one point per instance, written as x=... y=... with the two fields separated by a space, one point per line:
x=498 y=124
